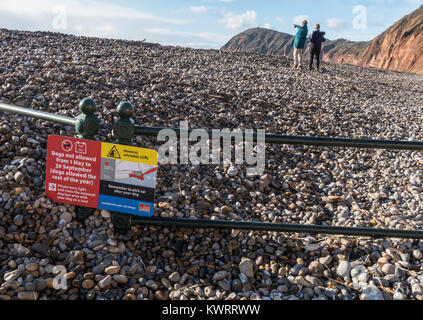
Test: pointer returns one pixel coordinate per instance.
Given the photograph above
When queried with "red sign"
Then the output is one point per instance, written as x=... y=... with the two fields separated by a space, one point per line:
x=145 y=207
x=73 y=171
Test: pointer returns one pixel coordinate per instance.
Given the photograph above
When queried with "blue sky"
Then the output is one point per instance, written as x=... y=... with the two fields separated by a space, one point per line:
x=201 y=23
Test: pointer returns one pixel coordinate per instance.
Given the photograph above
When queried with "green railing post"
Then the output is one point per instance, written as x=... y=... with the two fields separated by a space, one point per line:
x=123 y=132
x=123 y=128
x=86 y=127
x=87 y=124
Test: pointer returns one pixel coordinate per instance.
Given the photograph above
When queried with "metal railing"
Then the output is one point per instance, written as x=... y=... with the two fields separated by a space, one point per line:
x=269 y=138
x=307 y=141
x=37 y=114
x=86 y=125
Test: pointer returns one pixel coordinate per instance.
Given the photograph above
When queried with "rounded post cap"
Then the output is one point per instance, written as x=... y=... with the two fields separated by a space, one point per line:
x=125 y=110
x=87 y=106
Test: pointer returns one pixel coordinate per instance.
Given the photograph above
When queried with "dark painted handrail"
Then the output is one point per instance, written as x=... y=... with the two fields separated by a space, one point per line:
x=306 y=141
x=278 y=227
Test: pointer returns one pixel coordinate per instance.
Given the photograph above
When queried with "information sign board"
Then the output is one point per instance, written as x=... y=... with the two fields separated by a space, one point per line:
x=100 y=175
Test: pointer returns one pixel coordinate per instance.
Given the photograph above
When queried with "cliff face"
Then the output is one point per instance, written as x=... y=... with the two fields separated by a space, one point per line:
x=259 y=40
x=399 y=48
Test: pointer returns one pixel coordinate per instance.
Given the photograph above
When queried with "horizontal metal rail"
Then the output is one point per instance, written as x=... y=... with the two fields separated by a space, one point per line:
x=306 y=141
x=277 y=227
x=37 y=114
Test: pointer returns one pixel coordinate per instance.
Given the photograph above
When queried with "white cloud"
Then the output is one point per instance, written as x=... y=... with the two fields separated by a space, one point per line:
x=299 y=19
x=81 y=17
x=192 y=39
x=236 y=21
x=336 y=24
x=198 y=45
x=36 y=9
x=412 y=2
x=78 y=28
x=406 y=1
x=280 y=20
x=107 y=30
x=377 y=24
x=199 y=35
x=267 y=26
x=199 y=9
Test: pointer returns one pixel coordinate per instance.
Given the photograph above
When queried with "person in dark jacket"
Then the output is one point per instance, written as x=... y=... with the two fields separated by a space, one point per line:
x=316 y=45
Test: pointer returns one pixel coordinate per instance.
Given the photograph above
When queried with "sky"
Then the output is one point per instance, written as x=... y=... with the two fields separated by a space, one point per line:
x=207 y=24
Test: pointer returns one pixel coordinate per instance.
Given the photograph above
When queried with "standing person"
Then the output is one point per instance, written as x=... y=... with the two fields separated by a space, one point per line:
x=299 y=44
x=316 y=45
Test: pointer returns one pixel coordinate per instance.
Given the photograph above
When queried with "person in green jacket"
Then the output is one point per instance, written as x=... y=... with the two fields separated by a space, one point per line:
x=299 y=44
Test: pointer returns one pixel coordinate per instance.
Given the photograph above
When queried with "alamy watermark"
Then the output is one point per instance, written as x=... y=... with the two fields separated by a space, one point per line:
x=250 y=147
x=360 y=19
x=60 y=20
x=60 y=281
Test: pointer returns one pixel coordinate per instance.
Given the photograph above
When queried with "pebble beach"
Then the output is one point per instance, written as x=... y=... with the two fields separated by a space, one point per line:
x=210 y=89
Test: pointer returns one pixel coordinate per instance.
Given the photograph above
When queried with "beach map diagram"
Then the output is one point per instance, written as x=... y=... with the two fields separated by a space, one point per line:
x=137 y=174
